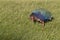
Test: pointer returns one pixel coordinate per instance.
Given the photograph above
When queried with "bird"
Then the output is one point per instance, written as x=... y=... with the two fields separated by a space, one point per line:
x=41 y=15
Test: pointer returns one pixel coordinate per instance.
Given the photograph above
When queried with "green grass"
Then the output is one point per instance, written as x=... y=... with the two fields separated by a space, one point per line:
x=16 y=25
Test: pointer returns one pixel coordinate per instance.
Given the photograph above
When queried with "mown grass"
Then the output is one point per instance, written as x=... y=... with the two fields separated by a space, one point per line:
x=16 y=25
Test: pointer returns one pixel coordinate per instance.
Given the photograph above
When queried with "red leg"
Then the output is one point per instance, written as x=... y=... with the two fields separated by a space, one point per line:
x=43 y=23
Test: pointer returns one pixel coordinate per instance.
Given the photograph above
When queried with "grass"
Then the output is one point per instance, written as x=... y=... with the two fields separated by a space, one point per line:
x=16 y=25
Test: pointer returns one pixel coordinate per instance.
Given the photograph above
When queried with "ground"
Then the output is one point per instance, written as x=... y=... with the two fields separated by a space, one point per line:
x=16 y=25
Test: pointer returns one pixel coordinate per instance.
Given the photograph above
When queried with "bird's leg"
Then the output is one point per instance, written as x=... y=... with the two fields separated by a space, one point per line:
x=43 y=23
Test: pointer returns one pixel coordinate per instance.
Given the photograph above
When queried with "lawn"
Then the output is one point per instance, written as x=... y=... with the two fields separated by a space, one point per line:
x=16 y=25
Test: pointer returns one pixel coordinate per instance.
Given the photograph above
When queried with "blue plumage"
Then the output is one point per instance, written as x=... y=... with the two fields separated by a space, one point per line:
x=39 y=16
x=42 y=14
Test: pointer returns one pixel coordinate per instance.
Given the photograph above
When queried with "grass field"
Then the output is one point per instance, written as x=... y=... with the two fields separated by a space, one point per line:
x=16 y=25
